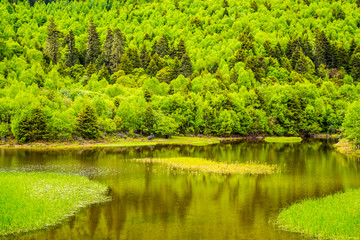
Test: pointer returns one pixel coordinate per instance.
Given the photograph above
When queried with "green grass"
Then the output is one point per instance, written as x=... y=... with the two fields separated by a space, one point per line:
x=283 y=139
x=33 y=201
x=136 y=142
x=207 y=166
x=333 y=217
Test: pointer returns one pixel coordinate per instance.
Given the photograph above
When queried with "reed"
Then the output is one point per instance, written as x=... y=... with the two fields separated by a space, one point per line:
x=208 y=166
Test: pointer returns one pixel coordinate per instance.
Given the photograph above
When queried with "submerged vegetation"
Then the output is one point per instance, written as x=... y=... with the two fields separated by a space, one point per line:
x=208 y=166
x=176 y=66
x=32 y=201
x=283 y=139
x=332 y=217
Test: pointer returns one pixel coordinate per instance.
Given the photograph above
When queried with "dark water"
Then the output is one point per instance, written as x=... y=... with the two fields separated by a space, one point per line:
x=151 y=202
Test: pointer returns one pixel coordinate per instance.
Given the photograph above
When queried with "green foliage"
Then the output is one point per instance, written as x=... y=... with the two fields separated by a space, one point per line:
x=352 y=122
x=32 y=127
x=266 y=67
x=87 y=123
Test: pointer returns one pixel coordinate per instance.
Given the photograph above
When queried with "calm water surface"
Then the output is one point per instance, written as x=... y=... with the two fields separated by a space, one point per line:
x=153 y=202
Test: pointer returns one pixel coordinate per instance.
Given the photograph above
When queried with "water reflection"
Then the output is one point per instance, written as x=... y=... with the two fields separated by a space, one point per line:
x=150 y=202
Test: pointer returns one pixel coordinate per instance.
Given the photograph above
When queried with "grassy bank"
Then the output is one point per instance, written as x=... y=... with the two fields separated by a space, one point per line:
x=347 y=147
x=32 y=201
x=332 y=217
x=283 y=139
x=207 y=166
x=132 y=142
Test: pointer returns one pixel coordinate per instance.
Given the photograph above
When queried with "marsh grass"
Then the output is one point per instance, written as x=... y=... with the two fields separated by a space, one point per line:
x=347 y=147
x=283 y=139
x=332 y=217
x=207 y=166
x=33 y=201
x=136 y=142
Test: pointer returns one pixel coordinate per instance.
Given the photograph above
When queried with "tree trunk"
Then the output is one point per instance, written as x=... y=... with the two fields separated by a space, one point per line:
x=3 y=139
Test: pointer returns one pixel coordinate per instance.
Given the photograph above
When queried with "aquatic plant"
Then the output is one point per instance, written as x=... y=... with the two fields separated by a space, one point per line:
x=283 y=139
x=208 y=166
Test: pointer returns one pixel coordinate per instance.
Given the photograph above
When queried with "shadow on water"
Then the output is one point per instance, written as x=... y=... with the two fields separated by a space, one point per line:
x=152 y=202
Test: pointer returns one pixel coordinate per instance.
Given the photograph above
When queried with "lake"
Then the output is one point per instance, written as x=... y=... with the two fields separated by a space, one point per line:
x=151 y=201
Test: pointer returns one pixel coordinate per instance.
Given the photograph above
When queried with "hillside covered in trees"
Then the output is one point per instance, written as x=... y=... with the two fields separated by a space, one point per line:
x=88 y=69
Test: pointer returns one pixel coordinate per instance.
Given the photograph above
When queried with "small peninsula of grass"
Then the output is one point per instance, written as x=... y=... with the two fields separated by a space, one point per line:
x=130 y=142
x=32 y=201
x=207 y=166
x=283 y=139
x=347 y=147
x=332 y=217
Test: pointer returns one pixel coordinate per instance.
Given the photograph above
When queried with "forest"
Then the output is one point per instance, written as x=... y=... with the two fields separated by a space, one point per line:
x=108 y=68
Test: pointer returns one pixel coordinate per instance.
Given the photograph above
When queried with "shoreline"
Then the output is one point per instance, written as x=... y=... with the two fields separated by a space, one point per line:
x=346 y=147
x=141 y=141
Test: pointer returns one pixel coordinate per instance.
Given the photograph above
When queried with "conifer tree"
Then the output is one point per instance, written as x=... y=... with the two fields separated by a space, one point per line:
x=117 y=50
x=301 y=65
x=125 y=64
x=144 y=57
x=185 y=66
x=355 y=66
x=147 y=95
x=87 y=125
x=32 y=127
x=162 y=46
x=107 y=47
x=71 y=56
x=91 y=69
x=153 y=68
x=181 y=49
x=52 y=47
x=93 y=44
x=134 y=57
x=176 y=67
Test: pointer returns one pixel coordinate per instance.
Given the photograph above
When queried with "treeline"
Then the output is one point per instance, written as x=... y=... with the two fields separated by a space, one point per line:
x=86 y=70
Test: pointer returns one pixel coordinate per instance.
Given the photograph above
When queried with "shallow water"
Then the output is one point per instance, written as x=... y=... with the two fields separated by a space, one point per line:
x=152 y=202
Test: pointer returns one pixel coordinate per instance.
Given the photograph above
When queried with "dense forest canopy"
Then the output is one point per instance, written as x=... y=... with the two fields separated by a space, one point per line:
x=86 y=69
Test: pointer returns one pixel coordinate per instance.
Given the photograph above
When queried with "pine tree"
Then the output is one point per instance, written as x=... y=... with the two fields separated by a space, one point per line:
x=254 y=5
x=185 y=66
x=144 y=57
x=107 y=47
x=301 y=65
x=117 y=50
x=149 y=119
x=147 y=95
x=355 y=66
x=91 y=69
x=93 y=44
x=71 y=56
x=87 y=125
x=162 y=46
x=181 y=49
x=52 y=47
x=125 y=64
x=175 y=69
x=153 y=68
x=33 y=127
x=104 y=73
x=134 y=57
x=353 y=45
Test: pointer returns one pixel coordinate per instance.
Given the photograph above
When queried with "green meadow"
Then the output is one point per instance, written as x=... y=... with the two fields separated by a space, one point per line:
x=332 y=217
x=33 y=201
